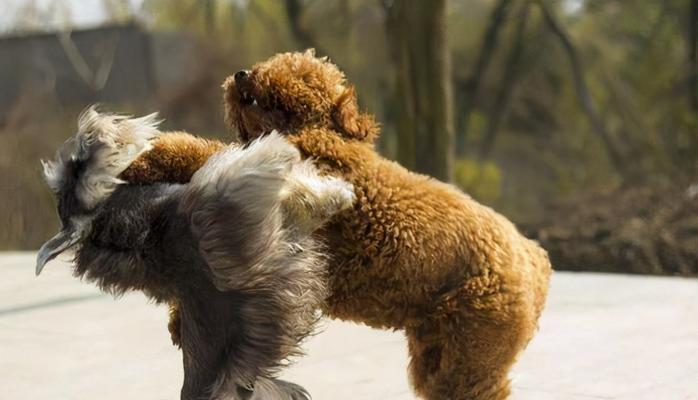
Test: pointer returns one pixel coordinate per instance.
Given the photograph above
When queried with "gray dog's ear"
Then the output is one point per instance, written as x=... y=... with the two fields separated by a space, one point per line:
x=350 y=121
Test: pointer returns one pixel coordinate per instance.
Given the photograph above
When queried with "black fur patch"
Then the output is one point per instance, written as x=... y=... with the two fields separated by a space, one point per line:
x=234 y=338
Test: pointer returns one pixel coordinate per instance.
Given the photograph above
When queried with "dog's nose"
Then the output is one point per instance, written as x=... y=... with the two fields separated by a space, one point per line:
x=240 y=76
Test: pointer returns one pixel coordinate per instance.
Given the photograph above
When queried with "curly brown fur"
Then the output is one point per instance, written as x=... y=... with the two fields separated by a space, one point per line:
x=414 y=253
x=306 y=93
x=174 y=158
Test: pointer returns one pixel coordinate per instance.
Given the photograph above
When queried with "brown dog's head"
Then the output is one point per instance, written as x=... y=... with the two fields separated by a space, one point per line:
x=291 y=91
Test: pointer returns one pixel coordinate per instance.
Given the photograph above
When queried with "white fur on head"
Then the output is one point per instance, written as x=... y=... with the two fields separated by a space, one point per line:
x=107 y=144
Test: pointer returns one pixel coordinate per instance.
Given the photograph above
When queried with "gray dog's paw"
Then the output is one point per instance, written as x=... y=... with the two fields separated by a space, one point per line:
x=337 y=195
x=277 y=389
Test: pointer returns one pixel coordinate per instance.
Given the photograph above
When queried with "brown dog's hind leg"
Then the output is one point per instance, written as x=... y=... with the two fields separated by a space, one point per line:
x=463 y=358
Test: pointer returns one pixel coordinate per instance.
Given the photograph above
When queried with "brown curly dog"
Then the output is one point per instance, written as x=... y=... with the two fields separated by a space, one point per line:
x=414 y=253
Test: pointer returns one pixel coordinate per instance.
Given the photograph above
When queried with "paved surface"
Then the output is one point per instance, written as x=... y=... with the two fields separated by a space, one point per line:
x=601 y=337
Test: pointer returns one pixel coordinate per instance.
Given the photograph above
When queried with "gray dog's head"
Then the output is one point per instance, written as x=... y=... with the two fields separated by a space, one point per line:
x=85 y=171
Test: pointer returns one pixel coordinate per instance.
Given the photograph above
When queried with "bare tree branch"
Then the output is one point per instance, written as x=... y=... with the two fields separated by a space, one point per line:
x=76 y=60
x=469 y=89
x=294 y=12
x=511 y=75
x=95 y=80
x=269 y=22
x=582 y=91
x=101 y=75
x=210 y=16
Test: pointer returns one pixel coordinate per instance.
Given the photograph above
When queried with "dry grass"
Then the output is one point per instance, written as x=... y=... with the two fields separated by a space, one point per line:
x=27 y=211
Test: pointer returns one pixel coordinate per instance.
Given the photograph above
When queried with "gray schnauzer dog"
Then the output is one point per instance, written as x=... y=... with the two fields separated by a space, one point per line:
x=233 y=248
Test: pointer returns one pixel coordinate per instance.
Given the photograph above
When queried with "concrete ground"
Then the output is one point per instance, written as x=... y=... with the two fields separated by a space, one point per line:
x=601 y=337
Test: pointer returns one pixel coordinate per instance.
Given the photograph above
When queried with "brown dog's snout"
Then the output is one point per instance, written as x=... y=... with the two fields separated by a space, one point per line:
x=243 y=86
x=241 y=77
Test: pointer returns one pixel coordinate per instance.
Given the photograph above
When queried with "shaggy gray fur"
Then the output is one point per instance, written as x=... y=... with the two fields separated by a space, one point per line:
x=233 y=248
x=108 y=143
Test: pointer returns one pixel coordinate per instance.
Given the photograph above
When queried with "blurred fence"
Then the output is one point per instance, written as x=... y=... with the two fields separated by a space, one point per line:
x=46 y=79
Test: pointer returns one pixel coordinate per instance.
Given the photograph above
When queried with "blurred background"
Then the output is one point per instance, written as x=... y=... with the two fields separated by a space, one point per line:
x=577 y=119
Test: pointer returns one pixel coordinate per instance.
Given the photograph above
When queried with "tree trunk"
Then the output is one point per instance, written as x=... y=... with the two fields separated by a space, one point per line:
x=693 y=55
x=210 y=17
x=417 y=38
x=693 y=72
x=403 y=112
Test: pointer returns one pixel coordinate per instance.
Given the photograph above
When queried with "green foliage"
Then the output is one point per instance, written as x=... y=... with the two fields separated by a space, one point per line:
x=633 y=54
x=481 y=180
x=476 y=126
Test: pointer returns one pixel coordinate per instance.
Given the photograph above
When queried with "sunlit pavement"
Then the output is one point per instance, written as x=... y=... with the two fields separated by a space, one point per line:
x=601 y=337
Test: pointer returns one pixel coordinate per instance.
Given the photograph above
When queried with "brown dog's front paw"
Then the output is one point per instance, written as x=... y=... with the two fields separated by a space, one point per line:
x=173 y=326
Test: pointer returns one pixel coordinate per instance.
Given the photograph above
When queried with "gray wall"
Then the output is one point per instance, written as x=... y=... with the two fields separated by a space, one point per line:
x=138 y=63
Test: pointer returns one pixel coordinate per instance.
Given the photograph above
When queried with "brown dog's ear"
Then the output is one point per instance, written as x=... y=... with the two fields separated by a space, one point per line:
x=310 y=52
x=228 y=99
x=350 y=122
